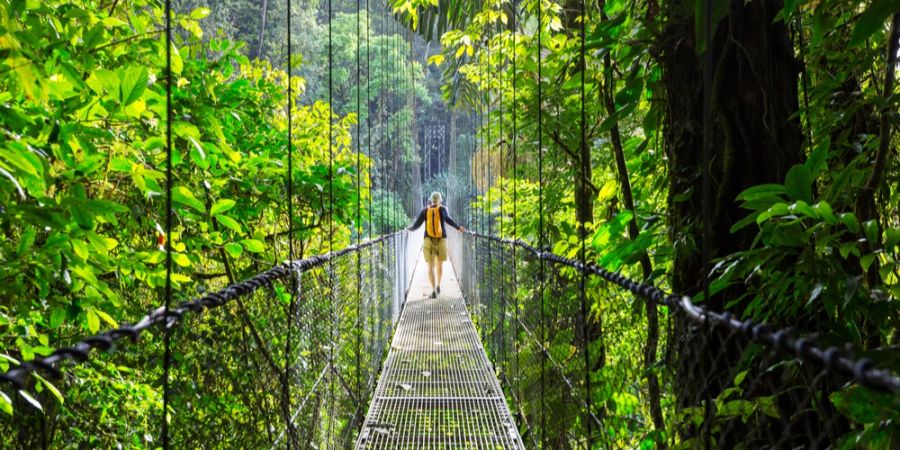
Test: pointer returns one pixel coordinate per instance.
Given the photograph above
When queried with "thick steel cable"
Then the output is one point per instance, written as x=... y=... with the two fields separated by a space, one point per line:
x=169 y=317
x=286 y=390
x=804 y=348
x=582 y=234
x=167 y=338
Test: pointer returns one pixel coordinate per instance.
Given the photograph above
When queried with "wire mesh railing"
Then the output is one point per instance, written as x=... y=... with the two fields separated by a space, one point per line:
x=236 y=380
x=725 y=383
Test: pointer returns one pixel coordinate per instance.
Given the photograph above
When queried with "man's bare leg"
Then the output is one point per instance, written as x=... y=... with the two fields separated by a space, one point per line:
x=440 y=270
x=431 y=272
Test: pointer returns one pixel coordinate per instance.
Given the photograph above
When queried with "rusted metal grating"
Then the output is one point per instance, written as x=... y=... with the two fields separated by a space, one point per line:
x=437 y=389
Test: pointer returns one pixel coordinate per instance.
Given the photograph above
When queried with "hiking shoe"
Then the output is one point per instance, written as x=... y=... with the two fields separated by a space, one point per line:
x=433 y=294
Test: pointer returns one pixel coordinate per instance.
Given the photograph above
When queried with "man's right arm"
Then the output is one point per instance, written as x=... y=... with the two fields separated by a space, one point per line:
x=419 y=221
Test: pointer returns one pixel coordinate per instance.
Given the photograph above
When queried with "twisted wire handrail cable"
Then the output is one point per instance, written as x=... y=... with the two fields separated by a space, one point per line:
x=805 y=348
x=80 y=351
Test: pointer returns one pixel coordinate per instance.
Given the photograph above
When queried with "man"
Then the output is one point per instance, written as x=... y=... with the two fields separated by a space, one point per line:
x=436 y=218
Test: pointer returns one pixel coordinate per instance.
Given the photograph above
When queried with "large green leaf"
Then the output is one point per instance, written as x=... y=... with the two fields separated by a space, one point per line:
x=253 y=245
x=134 y=83
x=863 y=405
x=184 y=196
x=873 y=19
x=234 y=249
x=229 y=223
x=799 y=181
x=103 y=81
x=6 y=403
x=221 y=206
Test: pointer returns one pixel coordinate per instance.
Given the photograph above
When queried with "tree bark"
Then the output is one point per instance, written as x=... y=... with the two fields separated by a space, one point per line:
x=756 y=138
x=865 y=205
x=646 y=266
x=262 y=30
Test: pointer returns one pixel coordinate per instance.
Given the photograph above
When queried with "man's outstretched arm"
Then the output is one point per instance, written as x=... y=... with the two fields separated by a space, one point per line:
x=419 y=221
x=450 y=221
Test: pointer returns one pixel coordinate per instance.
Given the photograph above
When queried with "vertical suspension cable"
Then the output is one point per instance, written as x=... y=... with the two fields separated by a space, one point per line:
x=490 y=203
x=331 y=281
x=369 y=114
x=582 y=233
x=383 y=104
x=370 y=165
x=707 y=185
x=540 y=150
x=394 y=147
x=167 y=338
x=414 y=136
x=401 y=174
x=804 y=81
x=286 y=390
x=359 y=231
x=515 y=197
x=395 y=68
x=388 y=105
x=501 y=185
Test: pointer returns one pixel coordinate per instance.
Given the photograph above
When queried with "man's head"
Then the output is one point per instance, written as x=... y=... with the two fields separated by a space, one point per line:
x=436 y=198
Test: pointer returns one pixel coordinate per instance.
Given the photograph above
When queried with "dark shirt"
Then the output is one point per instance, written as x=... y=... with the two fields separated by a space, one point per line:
x=445 y=220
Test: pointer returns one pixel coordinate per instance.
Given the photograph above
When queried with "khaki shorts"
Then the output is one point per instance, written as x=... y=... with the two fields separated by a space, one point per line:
x=435 y=247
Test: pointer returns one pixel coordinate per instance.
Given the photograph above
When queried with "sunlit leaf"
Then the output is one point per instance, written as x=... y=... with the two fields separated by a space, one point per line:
x=31 y=400
x=253 y=245
x=50 y=387
x=873 y=19
x=184 y=196
x=221 y=206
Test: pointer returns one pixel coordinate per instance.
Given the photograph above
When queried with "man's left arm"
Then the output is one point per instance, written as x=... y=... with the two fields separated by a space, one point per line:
x=449 y=220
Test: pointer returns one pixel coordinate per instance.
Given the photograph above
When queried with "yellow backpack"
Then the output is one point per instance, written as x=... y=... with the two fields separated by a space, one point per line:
x=433 y=222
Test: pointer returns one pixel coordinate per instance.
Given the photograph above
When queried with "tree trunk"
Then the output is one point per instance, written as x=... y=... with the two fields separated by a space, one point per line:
x=756 y=137
x=865 y=205
x=262 y=30
x=633 y=232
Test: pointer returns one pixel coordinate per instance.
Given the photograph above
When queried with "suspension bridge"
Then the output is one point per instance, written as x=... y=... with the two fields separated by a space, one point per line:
x=437 y=382
x=529 y=345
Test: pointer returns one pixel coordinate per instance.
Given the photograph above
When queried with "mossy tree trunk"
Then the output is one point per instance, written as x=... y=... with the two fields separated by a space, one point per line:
x=756 y=137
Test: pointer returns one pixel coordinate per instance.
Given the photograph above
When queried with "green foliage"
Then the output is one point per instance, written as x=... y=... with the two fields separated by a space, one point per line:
x=83 y=160
x=82 y=115
x=815 y=249
x=388 y=214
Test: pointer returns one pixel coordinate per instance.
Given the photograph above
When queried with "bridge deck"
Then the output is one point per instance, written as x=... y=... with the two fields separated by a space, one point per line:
x=437 y=389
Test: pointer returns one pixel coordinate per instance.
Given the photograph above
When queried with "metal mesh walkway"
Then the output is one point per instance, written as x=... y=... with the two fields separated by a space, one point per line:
x=437 y=389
